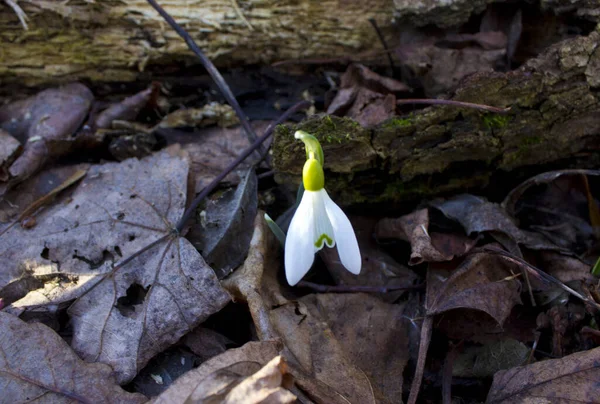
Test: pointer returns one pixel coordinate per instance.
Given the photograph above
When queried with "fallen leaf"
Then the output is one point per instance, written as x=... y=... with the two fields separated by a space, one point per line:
x=414 y=228
x=265 y=386
x=373 y=334
x=163 y=370
x=126 y=110
x=479 y=283
x=123 y=315
x=573 y=378
x=484 y=361
x=211 y=150
x=37 y=365
x=206 y=380
x=44 y=124
x=225 y=226
x=477 y=216
x=378 y=267
x=366 y=96
x=9 y=148
x=210 y=114
x=557 y=205
x=206 y=343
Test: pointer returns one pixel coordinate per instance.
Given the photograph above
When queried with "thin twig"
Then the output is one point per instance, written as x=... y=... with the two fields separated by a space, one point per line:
x=383 y=43
x=210 y=187
x=266 y=174
x=435 y=101
x=238 y=11
x=447 y=372
x=426 y=330
x=538 y=273
x=211 y=69
x=354 y=289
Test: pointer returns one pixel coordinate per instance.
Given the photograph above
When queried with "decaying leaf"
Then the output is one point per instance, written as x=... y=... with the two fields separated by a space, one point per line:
x=414 y=229
x=210 y=114
x=163 y=370
x=122 y=316
x=206 y=343
x=225 y=226
x=366 y=96
x=44 y=124
x=482 y=282
x=217 y=376
x=559 y=205
x=314 y=349
x=573 y=378
x=9 y=148
x=378 y=267
x=127 y=109
x=37 y=365
x=476 y=215
x=484 y=361
x=211 y=150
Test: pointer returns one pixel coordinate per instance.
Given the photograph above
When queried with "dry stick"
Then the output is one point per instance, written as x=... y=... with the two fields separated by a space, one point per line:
x=435 y=101
x=210 y=187
x=539 y=273
x=383 y=43
x=355 y=289
x=210 y=68
x=426 y=330
x=447 y=373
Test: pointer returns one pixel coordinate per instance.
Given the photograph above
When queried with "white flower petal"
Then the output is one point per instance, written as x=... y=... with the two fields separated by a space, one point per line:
x=299 y=242
x=345 y=238
x=324 y=233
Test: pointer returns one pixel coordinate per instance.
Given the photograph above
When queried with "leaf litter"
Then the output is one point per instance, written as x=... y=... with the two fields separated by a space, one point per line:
x=97 y=251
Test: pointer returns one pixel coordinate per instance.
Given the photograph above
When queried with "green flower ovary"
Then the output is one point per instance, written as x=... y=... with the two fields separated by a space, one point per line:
x=312 y=175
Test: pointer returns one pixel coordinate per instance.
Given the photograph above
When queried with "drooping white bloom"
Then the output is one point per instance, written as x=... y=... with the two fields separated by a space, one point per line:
x=318 y=221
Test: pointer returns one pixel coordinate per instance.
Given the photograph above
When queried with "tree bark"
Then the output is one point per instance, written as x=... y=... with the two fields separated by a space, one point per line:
x=112 y=40
x=554 y=122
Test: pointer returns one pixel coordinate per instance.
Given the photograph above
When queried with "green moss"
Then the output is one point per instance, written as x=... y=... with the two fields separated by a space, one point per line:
x=396 y=123
x=495 y=121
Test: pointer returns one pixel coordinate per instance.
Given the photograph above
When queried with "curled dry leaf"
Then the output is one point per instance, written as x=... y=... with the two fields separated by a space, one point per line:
x=126 y=110
x=573 y=378
x=211 y=150
x=9 y=148
x=225 y=227
x=366 y=96
x=481 y=282
x=378 y=267
x=210 y=114
x=217 y=376
x=123 y=315
x=45 y=124
x=476 y=215
x=37 y=365
x=414 y=228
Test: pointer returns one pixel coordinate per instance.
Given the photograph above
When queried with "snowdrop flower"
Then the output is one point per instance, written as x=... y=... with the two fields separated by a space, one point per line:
x=318 y=221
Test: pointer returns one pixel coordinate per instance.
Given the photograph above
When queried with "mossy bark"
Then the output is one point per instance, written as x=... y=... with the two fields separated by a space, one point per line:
x=112 y=40
x=554 y=120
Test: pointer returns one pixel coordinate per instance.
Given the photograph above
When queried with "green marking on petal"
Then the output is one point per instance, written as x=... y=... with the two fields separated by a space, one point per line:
x=323 y=237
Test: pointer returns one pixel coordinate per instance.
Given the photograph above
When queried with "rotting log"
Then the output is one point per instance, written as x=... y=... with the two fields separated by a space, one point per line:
x=554 y=121
x=112 y=40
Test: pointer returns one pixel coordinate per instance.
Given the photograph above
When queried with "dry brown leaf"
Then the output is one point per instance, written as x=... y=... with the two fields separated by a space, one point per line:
x=414 y=228
x=37 y=365
x=313 y=348
x=374 y=336
x=210 y=114
x=378 y=267
x=571 y=379
x=9 y=148
x=206 y=343
x=121 y=317
x=263 y=387
x=126 y=110
x=212 y=149
x=218 y=375
x=366 y=96
x=44 y=124
x=479 y=283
